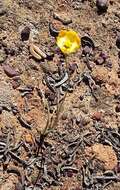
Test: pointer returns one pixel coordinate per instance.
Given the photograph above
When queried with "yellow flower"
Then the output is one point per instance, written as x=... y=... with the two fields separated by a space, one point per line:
x=68 y=41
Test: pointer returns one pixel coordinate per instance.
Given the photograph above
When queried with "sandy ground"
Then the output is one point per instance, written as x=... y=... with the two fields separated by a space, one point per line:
x=80 y=104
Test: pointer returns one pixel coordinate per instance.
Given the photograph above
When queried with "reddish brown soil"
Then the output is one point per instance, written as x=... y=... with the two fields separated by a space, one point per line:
x=103 y=29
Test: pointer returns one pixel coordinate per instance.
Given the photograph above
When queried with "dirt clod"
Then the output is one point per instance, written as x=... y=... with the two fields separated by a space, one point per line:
x=105 y=154
x=25 y=33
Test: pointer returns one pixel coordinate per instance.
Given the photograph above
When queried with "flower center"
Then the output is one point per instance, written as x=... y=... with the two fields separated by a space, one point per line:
x=67 y=44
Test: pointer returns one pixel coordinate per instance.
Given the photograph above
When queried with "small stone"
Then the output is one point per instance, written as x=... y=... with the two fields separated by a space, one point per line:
x=69 y=173
x=87 y=41
x=28 y=138
x=108 y=64
x=117 y=108
x=2 y=56
x=87 y=50
x=118 y=42
x=53 y=31
x=63 y=17
x=102 y=5
x=72 y=68
x=57 y=25
x=10 y=71
x=103 y=55
x=2 y=11
x=15 y=83
x=99 y=61
x=81 y=97
x=97 y=116
x=25 y=33
x=52 y=97
x=49 y=55
x=78 y=120
x=14 y=109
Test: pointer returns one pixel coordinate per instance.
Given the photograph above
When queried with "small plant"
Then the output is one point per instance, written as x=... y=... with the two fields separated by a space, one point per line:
x=69 y=42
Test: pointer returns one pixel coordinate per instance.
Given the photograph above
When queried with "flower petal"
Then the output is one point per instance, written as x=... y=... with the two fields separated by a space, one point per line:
x=68 y=41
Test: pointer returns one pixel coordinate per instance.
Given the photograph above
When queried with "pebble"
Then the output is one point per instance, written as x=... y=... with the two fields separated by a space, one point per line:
x=53 y=31
x=57 y=25
x=78 y=120
x=69 y=173
x=36 y=52
x=103 y=55
x=87 y=41
x=25 y=33
x=108 y=64
x=2 y=56
x=117 y=108
x=87 y=50
x=10 y=71
x=16 y=82
x=28 y=138
x=81 y=97
x=62 y=17
x=72 y=68
x=49 y=53
x=99 y=61
x=102 y=5
x=97 y=116
x=2 y=11
x=118 y=42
